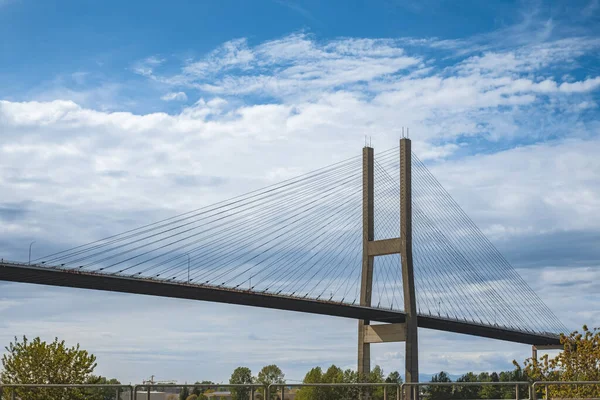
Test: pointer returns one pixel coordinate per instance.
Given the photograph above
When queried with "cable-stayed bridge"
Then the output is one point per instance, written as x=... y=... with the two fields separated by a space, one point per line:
x=375 y=238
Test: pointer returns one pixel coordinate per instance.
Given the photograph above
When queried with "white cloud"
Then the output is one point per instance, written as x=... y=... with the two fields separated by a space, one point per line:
x=175 y=96
x=299 y=62
x=80 y=77
x=232 y=54
x=376 y=82
x=591 y=9
x=300 y=66
x=6 y=304
x=581 y=86
x=533 y=189
x=146 y=67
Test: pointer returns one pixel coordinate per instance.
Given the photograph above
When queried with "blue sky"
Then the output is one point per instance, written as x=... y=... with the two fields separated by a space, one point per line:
x=113 y=114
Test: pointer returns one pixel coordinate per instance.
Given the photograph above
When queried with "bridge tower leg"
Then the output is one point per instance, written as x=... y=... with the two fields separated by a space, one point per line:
x=407 y=331
x=408 y=280
x=366 y=283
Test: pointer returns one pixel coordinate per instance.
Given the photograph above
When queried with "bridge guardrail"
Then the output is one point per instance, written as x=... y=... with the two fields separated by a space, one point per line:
x=282 y=387
x=546 y=384
x=416 y=385
x=119 y=390
x=147 y=389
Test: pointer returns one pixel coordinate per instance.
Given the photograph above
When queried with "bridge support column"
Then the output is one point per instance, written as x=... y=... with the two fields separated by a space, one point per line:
x=371 y=248
x=366 y=283
x=408 y=281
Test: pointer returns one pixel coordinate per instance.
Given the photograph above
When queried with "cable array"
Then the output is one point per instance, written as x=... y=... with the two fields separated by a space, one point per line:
x=459 y=273
x=303 y=237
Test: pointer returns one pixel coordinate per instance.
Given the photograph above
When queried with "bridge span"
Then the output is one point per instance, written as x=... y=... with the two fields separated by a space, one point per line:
x=56 y=276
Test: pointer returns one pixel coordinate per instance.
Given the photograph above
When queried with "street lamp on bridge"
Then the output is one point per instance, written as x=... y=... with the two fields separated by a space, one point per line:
x=30 y=244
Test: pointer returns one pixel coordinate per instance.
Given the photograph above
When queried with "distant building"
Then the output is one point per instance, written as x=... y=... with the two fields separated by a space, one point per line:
x=153 y=396
x=218 y=395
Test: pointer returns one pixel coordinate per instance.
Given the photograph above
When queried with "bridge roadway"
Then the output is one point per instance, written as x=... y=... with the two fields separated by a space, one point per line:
x=18 y=272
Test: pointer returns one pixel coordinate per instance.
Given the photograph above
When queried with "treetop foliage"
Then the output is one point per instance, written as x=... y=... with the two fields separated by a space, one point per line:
x=38 y=362
x=578 y=361
x=49 y=363
x=335 y=374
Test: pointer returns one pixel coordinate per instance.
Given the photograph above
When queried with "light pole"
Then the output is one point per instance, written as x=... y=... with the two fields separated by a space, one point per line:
x=30 y=244
x=188 y=256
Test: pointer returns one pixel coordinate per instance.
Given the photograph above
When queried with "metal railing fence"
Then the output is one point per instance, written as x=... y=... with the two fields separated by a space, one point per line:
x=415 y=387
x=65 y=391
x=341 y=391
x=354 y=390
x=249 y=388
x=547 y=384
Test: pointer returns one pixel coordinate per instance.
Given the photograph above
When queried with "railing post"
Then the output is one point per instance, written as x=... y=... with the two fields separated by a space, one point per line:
x=118 y=394
x=252 y=393
x=267 y=392
x=13 y=394
x=282 y=391
x=517 y=391
x=546 y=392
x=148 y=395
x=385 y=393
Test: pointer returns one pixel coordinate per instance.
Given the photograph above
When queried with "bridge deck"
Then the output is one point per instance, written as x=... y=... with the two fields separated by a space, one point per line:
x=17 y=272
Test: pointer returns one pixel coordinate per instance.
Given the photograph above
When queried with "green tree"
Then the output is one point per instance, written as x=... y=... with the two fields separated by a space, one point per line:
x=578 y=361
x=516 y=375
x=439 y=392
x=394 y=377
x=350 y=376
x=199 y=390
x=315 y=375
x=184 y=393
x=467 y=392
x=333 y=374
x=376 y=376
x=46 y=363
x=271 y=374
x=491 y=391
x=241 y=376
x=103 y=393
